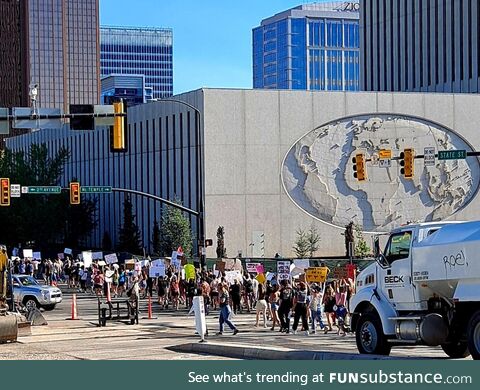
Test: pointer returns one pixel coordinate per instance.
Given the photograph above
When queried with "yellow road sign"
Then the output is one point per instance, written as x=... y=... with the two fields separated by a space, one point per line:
x=385 y=154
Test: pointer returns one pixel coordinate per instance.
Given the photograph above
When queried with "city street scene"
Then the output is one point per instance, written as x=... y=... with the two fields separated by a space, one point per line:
x=205 y=181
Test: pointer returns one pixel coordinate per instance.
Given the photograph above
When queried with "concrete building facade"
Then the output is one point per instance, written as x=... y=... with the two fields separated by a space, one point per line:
x=279 y=161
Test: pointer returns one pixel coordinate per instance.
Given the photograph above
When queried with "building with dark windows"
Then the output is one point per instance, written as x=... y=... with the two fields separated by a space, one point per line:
x=279 y=161
x=139 y=51
x=309 y=47
x=52 y=43
x=426 y=45
x=129 y=88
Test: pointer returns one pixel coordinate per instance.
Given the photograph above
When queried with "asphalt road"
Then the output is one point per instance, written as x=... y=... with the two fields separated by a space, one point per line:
x=84 y=340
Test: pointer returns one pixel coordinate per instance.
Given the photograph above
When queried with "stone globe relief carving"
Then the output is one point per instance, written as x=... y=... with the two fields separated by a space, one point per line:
x=317 y=173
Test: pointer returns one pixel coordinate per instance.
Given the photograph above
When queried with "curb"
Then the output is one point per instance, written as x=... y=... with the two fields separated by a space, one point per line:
x=257 y=353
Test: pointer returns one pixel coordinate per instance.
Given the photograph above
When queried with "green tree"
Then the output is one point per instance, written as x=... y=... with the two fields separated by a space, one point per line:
x=313 y=240
x=156 y=238
x=301 y=246
x=221 y=250
x=129 y=234
x=46 y=220
x=175 y=231
x=361 y=247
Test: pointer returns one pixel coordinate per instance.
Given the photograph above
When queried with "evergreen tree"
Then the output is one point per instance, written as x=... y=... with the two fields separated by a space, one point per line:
x=361 y=247
x=175 y=231
x=221 y=250
x=47 y=220
x=313 y=239
x=129 y=234
x=156 y=238
x=301 y=246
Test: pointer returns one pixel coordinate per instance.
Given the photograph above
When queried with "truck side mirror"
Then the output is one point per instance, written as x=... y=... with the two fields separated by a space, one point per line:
x=376 y=246
x=382 y=260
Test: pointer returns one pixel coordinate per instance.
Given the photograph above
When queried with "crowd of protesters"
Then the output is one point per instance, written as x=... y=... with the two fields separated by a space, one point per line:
x=275 y=302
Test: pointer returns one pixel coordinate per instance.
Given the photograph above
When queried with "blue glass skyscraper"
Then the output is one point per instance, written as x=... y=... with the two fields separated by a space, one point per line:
x=139 y=51
x=309 y=47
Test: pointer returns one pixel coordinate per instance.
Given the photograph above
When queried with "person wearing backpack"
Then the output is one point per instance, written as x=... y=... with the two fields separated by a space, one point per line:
x=286 y=303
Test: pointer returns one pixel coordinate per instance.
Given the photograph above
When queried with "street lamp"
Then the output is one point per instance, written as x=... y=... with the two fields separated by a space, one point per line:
x=199 y=163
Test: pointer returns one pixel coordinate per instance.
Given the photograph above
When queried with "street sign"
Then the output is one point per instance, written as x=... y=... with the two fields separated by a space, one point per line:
x=50 y=123
x=385 y=154
x=15 y=190
x=429 y=156
x=95 y=190
x=452 y=154
x=385 y=163
x=45 y=190
x=24 y=190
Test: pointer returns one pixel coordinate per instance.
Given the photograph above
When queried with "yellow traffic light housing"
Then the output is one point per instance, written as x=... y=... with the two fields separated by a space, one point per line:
x=407 y=161
x=5 y=192
x=119 y=141
x=359 y=167
x=74 y=193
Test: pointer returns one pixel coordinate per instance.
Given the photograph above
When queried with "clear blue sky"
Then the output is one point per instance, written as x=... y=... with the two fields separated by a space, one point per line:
x=212 y=38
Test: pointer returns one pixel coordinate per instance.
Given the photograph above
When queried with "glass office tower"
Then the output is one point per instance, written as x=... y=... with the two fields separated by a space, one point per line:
x=312 y=47
x=139 y=51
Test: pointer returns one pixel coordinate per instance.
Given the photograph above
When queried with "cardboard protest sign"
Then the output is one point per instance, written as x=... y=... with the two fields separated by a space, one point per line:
x=97 y=255
x=101 y=263
x=316 y=275
x=252 y=267
x=230 y=276
x=189 y=271
x=302 y=263
x=28 y=254
x=109 y=276
x=87 y=259
x=111 y=259
x=157 y=269
x=340 y=273
x=351 y=271
x=261 y=278
x=260 y=269
x=130 y=264
x=67 y=251
x=283 y=270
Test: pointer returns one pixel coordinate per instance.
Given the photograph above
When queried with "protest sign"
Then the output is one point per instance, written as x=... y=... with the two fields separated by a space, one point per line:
x=37 y=255
x=260 y=269
x=237 y=265
x=28 y=254
x=302 y=263
x=87 y=259
x=230 y=276
x=189 y=272
x=261 y=278
x=109 y=276
x=111 y=259
x=283 y=270
x=252 y=267
x=351 y=271
x=60 y=256
x=316 y=275
x=97 y=255
x=157 y=269
x=340 y=273
x=130 y=264
x=67 y=251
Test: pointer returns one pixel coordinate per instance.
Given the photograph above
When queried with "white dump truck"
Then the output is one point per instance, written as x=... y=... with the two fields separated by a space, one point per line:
x=423 y=289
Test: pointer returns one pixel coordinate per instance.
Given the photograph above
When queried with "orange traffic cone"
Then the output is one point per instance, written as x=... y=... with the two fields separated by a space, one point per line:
x=74 y=307
x=149 y=307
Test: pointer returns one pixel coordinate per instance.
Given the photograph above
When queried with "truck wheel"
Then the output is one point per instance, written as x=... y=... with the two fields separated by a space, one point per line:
x=30 y=303
x=456 y=350
x=369 y=335
x=473 y=336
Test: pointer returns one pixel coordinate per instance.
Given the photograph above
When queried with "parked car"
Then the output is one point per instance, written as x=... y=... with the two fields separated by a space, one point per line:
x=32 y=294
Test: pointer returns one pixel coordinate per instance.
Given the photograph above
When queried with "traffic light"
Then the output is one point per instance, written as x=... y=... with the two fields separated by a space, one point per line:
x=359 y=168
x=407 y=158
x=75 y=193
x=118 y=131
x=5 y=195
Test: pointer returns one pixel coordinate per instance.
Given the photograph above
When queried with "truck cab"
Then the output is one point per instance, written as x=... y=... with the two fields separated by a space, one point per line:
x=406 y=297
